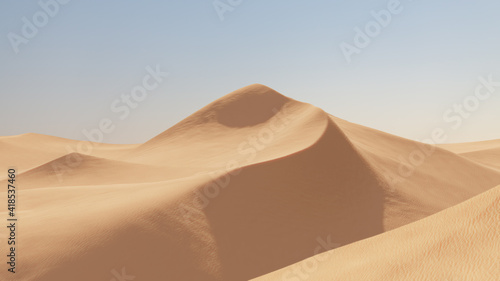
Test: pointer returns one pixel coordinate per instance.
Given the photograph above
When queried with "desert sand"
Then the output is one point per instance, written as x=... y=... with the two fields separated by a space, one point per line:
x=459 y=243
x=255 y=185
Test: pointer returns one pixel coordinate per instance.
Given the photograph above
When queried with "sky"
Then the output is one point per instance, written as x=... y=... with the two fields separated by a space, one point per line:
x=403 y=67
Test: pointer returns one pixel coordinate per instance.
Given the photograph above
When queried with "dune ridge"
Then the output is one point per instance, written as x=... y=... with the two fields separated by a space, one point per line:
x=74 y=169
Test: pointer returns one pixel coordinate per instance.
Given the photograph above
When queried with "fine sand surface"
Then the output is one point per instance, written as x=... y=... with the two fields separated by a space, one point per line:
x=459 y=243
x=247 y=187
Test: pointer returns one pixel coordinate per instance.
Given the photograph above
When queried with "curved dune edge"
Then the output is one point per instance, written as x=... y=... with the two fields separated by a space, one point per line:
x=74 y=169
x=283 y=126
x=204 y=201
x=486 y=153
x=27 y=151
x=460 y=243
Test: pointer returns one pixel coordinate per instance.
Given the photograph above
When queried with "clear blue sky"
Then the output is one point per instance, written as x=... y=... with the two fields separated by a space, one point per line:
x=429 y=57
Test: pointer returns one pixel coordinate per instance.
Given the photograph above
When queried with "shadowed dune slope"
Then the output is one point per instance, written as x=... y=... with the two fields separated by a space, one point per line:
x=460 y=243
x=423 y=179
x=274 y=211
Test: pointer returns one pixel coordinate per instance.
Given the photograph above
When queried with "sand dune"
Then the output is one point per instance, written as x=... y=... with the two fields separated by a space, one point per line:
x=420 y=186
x=460 y=243
x=245 y=186
x=251 y=125
x=76 y=169
x=484 y=152
x=30 y=150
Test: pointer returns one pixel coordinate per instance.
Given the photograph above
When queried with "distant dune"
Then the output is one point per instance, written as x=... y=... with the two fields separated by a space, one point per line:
x=255 y=185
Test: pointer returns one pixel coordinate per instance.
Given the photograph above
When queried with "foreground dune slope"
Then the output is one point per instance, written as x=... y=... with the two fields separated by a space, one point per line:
x=84 y=233
x=460 y=243
x=249 y=184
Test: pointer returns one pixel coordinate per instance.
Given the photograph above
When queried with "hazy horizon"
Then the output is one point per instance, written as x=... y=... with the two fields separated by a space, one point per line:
x=424 y=60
